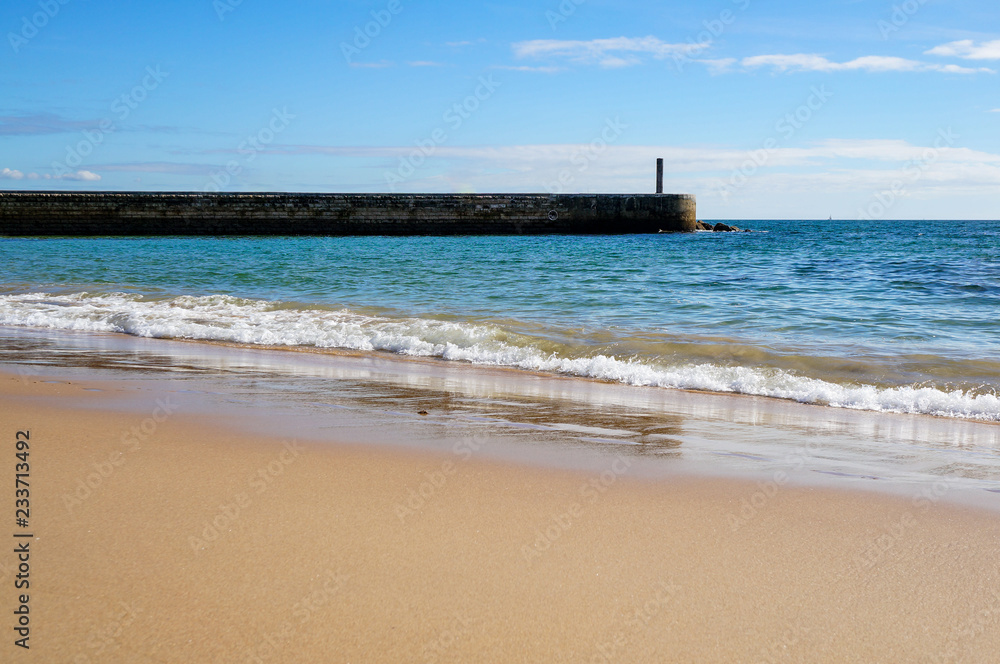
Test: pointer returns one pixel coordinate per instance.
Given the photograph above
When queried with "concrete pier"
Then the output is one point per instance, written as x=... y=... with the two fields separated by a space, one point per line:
x=25 y=213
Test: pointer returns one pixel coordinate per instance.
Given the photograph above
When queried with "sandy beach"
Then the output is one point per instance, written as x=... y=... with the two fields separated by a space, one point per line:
x=165 y=537
x=392 y=332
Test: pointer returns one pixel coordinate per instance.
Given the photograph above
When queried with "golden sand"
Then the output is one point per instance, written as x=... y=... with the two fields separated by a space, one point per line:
x=161 y=537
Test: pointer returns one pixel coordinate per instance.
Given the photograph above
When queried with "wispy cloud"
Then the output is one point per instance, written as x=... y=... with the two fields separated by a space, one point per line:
x=719 y=65
x=616 y=52
x=800 y=62
x=968 y=49
x=835 y=171
x=372 y=65
x=168 y=167
x=542 y=70
x=425 y=63
x=80 y=176
x=37 y=124
x=524 y=158
x=330 y=150
x=995 y=110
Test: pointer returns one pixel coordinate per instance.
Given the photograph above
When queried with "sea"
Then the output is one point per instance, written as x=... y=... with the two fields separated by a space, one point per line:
x=888 y=317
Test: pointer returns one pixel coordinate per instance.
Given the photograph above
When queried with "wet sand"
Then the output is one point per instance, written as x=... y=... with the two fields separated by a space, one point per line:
x=177 y=537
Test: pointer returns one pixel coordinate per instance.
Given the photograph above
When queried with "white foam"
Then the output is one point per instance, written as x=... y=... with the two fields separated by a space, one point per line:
x=226 y=318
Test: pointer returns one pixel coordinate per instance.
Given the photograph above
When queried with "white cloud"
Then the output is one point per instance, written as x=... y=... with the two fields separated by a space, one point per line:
x=523 y=158
x=425 y=63
x=799 y=62
x=891 y=150
x=719 y=65
x=835 y=176
x=995 y=110
x=610 y=53
x=968 y=49
x=611 y=160
x=627 y=51
x=79 y=176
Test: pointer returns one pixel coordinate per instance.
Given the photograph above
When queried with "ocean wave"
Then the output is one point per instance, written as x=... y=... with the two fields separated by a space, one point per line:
x=231 y=319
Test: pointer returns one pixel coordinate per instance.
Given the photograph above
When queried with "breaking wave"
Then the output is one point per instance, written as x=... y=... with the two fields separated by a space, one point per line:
x=230 y=319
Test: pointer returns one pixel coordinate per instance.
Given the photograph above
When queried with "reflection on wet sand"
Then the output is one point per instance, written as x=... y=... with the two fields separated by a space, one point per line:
x=434 y=403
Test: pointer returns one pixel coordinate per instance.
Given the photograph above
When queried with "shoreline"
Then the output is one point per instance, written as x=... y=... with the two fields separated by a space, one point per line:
x=392 y=356
x=189 y=539
x=712 y=365
x=562 y=422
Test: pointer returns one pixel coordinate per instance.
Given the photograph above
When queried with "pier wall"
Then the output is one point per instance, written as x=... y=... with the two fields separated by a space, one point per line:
x=145 y=213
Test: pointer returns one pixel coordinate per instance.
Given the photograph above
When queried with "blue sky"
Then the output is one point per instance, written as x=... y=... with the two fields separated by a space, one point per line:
x=761 y=108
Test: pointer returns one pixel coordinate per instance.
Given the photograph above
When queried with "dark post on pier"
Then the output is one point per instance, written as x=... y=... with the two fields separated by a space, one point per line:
x=659 y=176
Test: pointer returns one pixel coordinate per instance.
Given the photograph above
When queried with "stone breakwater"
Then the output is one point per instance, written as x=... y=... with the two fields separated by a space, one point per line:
x=147 y=213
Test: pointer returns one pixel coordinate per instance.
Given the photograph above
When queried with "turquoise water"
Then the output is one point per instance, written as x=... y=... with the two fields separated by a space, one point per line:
x=892 y=316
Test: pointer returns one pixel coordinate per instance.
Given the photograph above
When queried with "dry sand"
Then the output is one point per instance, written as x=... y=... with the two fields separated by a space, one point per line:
x=183 y=541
